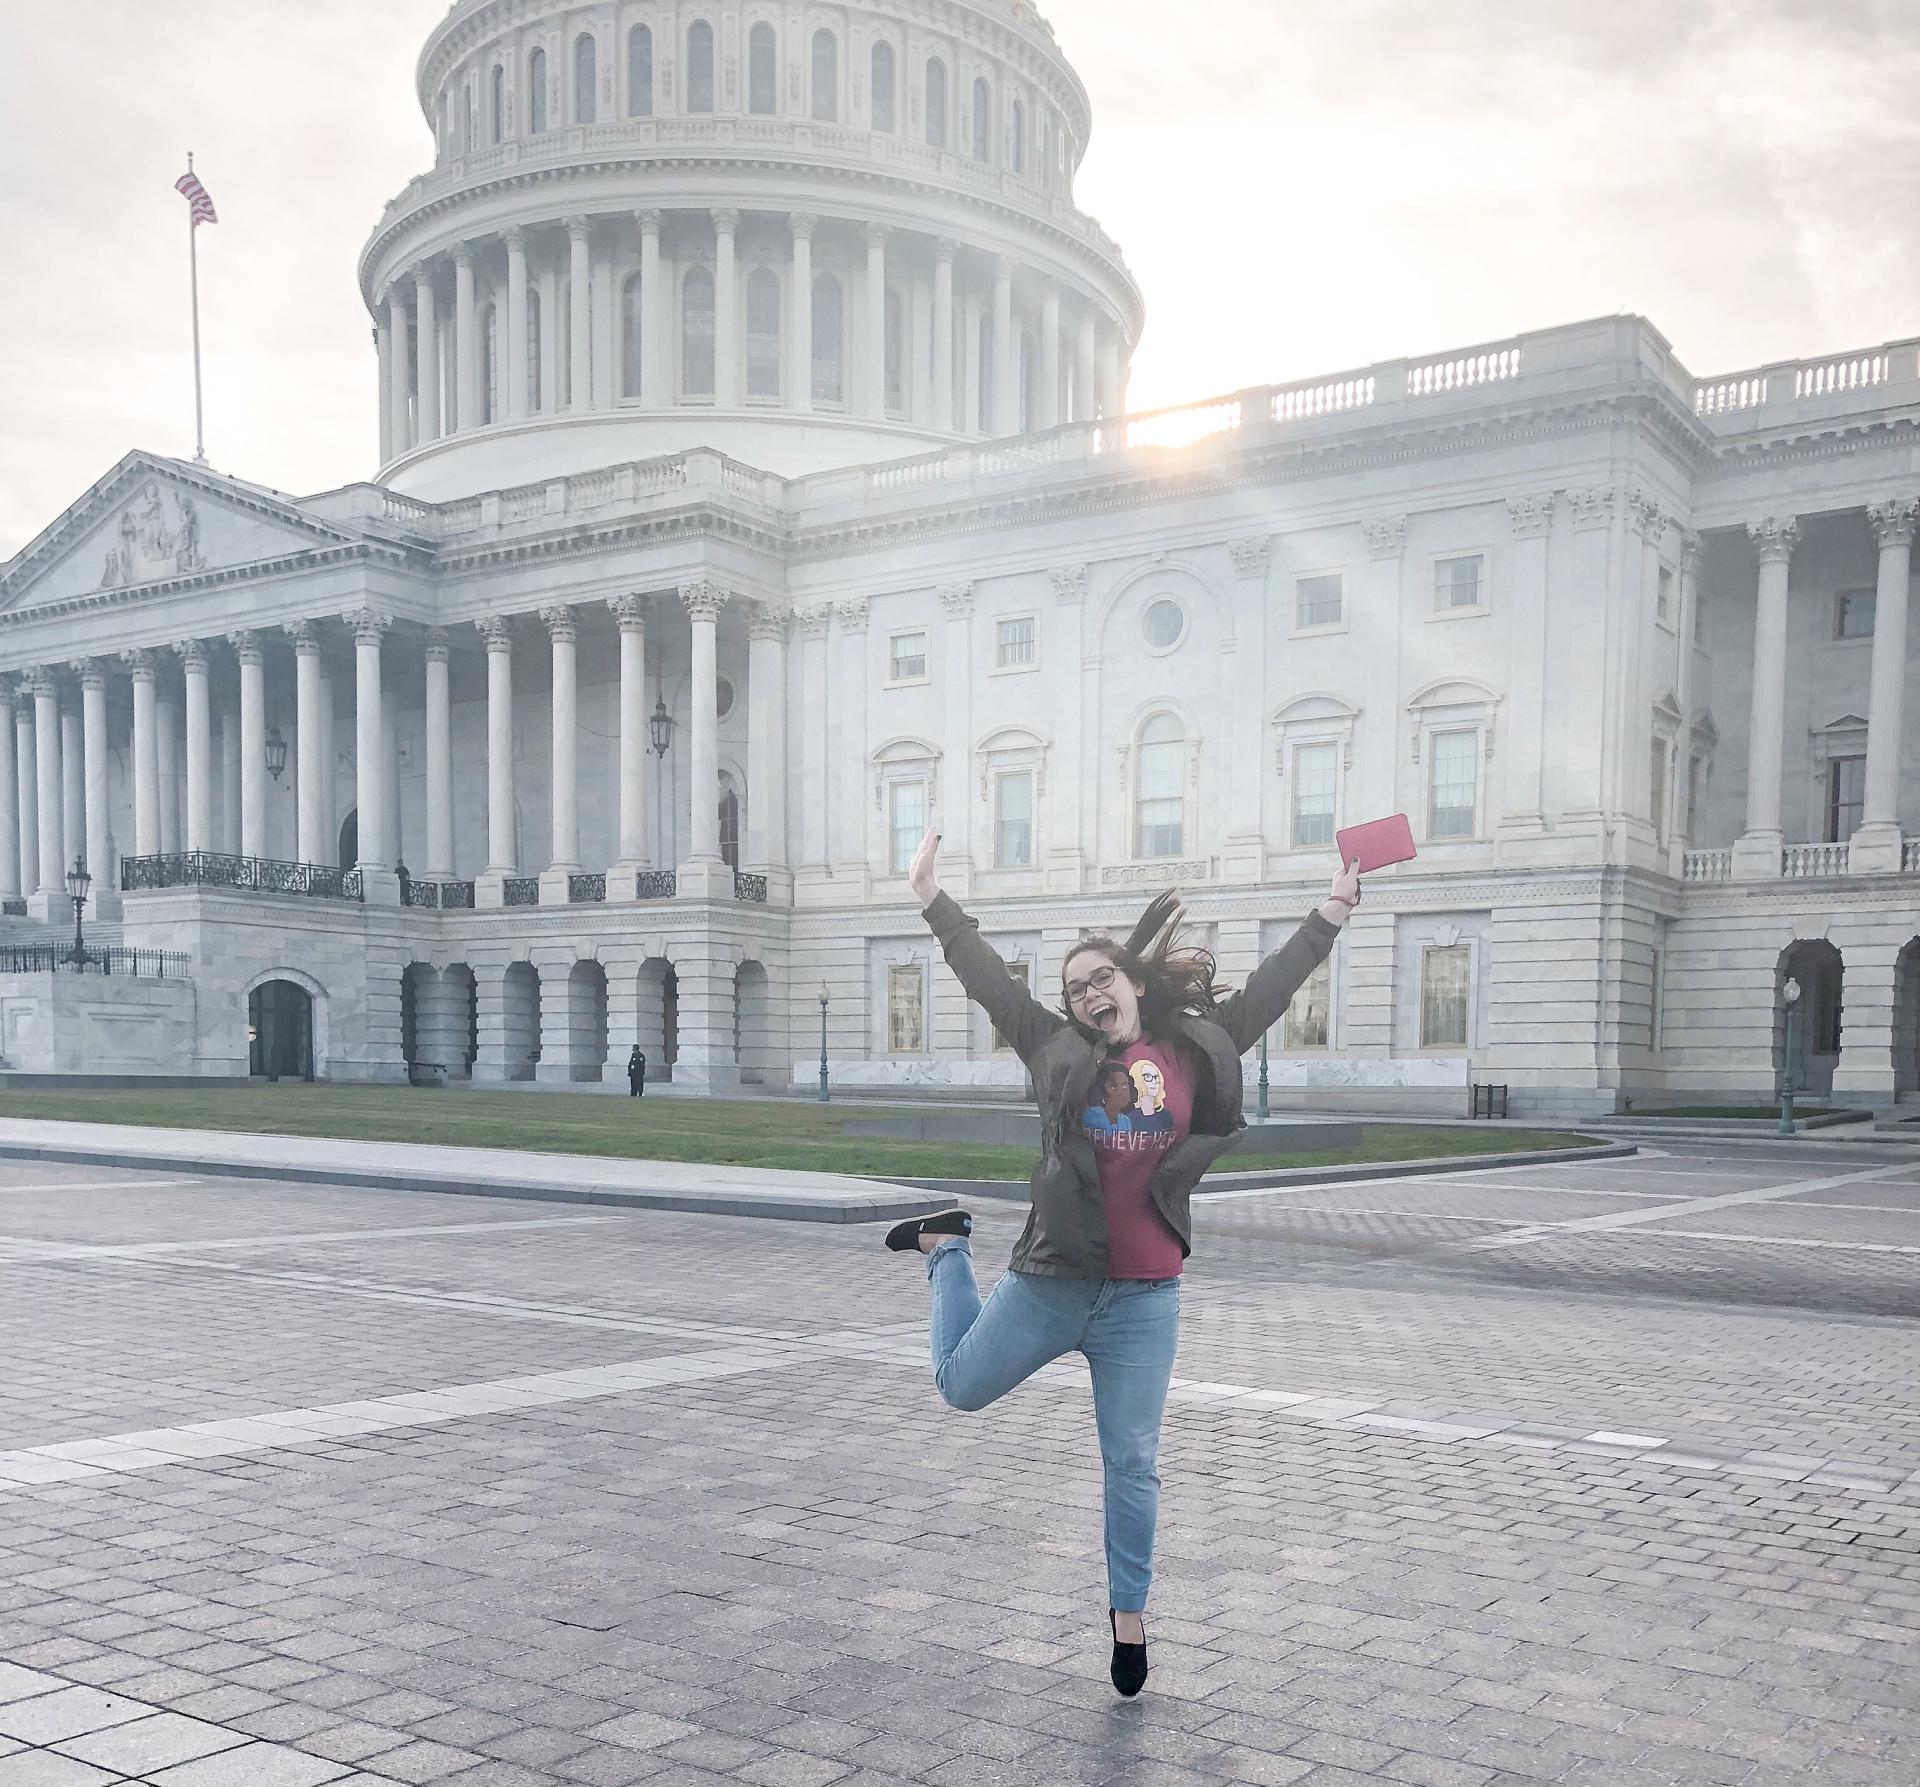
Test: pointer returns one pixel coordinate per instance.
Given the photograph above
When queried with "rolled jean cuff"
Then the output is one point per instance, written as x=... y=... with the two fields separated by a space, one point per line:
x=948 y=1245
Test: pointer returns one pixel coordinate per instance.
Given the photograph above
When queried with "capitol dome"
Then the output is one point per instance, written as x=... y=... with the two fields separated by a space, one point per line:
x=806 y=236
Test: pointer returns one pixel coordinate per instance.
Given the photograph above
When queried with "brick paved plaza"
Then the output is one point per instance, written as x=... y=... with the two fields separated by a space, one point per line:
x=1605 y=1473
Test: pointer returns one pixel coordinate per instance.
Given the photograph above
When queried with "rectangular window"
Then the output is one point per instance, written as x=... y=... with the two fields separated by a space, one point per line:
x=1013 y=820
x=1657 y=789
x=906 y=1009
x=1663 y=598
x=1315 y=770
x=1451 y=807
x=1446 y=975
x=1693 y=797
x=1853 y=614
x=1846 y=797
x=1306 y=1024
x=907 y=658
x=1013 y=643
x=1457 y=583
x=1318 y=601
x=906 y=823
x=1018 y=973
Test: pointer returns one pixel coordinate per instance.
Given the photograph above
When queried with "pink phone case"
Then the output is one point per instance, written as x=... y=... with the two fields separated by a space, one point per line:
x=1377 y=843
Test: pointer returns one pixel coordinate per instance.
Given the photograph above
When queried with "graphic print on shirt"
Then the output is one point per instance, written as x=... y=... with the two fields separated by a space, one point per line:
x=1131 y=1115
x=1139 y=1107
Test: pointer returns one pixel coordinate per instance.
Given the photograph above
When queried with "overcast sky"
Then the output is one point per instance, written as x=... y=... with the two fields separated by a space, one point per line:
x=1300 y=186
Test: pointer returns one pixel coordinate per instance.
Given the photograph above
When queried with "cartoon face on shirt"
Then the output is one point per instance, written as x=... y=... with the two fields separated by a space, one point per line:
x=1150 y=1087
x=1114 y=1089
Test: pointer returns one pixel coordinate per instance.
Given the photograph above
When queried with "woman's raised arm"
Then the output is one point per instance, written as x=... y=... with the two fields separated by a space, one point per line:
x=1260 y=1005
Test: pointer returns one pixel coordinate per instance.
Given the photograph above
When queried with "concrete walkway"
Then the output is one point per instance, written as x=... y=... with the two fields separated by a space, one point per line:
x=470 y=1172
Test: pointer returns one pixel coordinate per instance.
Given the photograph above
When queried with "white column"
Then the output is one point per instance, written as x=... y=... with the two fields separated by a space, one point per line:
x=766 y=739
x=166 y=725
x=631 y=614
x=426 y=312
x=46 y=746
x=704 y=602
x=369 y=737
x=1006 y=395
x=814 y=700
x=580 y=296
x=1086 y=396
x=9 y=799
x=309 y=844
x=726 y=310
x=73 y=784
x=146 y=757
x=227 y=832
x=193 y=661
x=1688 y=598
x=944 y=251
x=1113 y=378
x=251 y=651
x=1047 y=405
x=93 y=751
x=516 y=343
x=1877 y=845
x=501 y=859
x=652 y=333
x=383 y=350
x=564 y=854
x=801 y=382
x=326 y=829
x=400 y=392
x=877 y=319
x=390 y=852
x=439 y=866
x=24 y=787
x=1757 y=854
x=466 y=344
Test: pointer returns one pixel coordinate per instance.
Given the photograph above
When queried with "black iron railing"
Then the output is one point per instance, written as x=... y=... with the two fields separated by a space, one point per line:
x=520 y=890
x=655 y=884
x=750 y=888
x=55 y=958
x=247 y=874
x=456 y=896
x=586 y=890
x=421 y=893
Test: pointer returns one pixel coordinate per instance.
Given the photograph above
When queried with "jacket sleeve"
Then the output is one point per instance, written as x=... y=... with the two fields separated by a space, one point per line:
x=1016 y=1014
x=1267 y=995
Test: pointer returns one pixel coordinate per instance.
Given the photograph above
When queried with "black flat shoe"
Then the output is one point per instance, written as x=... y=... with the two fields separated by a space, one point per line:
x=1129 y=1667
x=904 y=1237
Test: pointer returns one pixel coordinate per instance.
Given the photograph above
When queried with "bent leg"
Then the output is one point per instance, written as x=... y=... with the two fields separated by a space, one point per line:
x=980 y=1351
x=1129 y=1347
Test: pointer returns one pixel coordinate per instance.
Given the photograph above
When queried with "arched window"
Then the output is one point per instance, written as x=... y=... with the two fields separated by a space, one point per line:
x=537 y=93
x=763 y=333
x=986 y=372
x=490 y=365
x=700 y=66
x=640 y=72
x=1159 y=794
x=763 y=72
x=883 y=107
x=937 y=104
x=1043 y=148
x=631 y=340
x=826 y=78
x=696 y=334
x=829 y=341
x=467 y=132
x=1017 y=138
x=586 y=78
x=498 y=103
x=896 y=354
x=533 y=351
x=982 y=121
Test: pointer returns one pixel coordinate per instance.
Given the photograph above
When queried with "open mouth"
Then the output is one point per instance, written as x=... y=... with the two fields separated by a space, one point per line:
x=1104 y=1010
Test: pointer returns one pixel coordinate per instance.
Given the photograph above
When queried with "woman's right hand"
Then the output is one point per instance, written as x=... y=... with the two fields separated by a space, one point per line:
x=920 y=874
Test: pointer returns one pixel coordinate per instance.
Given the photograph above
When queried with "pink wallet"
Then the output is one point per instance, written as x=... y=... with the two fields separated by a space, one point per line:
x=1377 y=843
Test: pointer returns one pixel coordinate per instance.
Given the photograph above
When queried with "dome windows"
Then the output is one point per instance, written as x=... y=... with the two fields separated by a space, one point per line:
x=1163 y=624
x=763 y=72
x=936 y=104
x=1017 y=138
x=537 y=93
x=882 y=87
x=586 y=78
x=763 y=334
x=700 y=66
x=982 y=120
x=829 y=341
x=697 y=334
x=497 y=104
x=640 y=72
x=533 y=351
x=632 y=341
x=826 y=78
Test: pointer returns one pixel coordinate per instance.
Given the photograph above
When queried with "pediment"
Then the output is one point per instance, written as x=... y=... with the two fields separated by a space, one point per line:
x=154 y=521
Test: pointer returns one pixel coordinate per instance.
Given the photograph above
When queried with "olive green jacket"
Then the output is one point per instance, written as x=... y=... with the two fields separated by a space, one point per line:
x=1066 y=1234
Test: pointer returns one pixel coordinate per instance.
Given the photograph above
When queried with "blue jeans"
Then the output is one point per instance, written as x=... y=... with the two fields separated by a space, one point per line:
x=1127 y=1328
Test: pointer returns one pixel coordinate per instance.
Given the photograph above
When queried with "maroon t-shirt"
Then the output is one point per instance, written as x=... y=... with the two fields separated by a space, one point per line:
x=1140 y=1105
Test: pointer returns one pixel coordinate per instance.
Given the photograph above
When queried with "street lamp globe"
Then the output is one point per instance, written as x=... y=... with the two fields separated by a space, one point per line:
x=1791 y=991
x=276 y=746
x=78 y=881
x=661 y=726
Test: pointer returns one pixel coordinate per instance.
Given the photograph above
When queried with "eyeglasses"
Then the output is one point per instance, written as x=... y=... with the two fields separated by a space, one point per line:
x=1097 y=982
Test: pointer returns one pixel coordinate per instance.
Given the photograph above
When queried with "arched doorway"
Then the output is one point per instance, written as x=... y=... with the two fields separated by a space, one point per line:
x=349 y=840
x=752 y=1023
x=520 y=1020
x=657 y=1017
x=1906 y=1022
x=1816 y=965
x=587 y=1021
x=280 y=1031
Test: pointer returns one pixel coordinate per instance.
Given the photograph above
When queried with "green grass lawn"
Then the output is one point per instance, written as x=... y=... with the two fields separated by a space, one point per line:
x=797 y=1134
x=1749 y=1112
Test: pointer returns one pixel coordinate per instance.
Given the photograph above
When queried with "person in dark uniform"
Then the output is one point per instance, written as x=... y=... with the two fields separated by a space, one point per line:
x=636 y=1073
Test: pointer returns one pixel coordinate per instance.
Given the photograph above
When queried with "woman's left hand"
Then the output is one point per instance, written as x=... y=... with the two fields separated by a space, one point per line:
x=1343 y=896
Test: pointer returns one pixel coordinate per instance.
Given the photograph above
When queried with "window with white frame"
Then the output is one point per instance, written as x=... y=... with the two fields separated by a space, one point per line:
x=829 y=340
x=1013 y=643
x=763 y=72
x=586 y=80
x=936 y=103
x=906 y=1009
x=1316 y=775
x=896 y=353
x=1013 y=819
x=632 y=339
x=537 y=93
x=826 y=78
x=906 y=823
x=1452 y=784
x=1446 y=984
x=1159 y=803
x=1163 y=622
x=763 y=333
x=1846 y=797
x=1853 y=614
x=700 y=66
x=1459 y=583
x=907 y=658
x=1307 y=1025
x=1319 y=600
x=697 y=333
x=1663 y=597
x=882 y=86
x=535 y=391
x=982 y=120
x=490 y=365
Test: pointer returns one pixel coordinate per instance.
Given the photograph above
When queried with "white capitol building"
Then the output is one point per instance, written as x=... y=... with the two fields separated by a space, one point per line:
x=757 y=486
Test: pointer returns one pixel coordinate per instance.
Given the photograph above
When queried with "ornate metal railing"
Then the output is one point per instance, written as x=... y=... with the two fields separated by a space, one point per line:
x=520 y=890
x=586 y=890
x=750 y=888
x=14 y=909
x=246 y=874
x=656 y=884
x=1802 y=862
x=52 y=958
x=456 y=896
x=421 y=893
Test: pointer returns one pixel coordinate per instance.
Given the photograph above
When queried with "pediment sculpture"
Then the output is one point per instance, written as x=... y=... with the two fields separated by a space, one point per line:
x=148 y=548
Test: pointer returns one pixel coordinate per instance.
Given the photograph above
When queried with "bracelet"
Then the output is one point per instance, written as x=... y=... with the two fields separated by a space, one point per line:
x=1334 y=899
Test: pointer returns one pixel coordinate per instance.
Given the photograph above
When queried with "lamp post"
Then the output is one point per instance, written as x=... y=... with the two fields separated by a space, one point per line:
x=824 y=1094
x=78 y=884
x=1790 y=994
x=660 y=725
x=1262 y=1107
x=276 y=744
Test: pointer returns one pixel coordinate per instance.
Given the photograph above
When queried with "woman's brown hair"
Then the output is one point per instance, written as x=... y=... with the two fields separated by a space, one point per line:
x=1177 y=981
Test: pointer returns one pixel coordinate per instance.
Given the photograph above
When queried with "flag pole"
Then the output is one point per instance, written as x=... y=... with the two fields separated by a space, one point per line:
x=193 y=263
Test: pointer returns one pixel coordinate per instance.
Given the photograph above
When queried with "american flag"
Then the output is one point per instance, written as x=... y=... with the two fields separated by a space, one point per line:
x=196 y=196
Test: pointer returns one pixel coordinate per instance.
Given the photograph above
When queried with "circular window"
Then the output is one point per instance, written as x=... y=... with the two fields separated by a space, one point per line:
x=1164 y=623
x=723 y=698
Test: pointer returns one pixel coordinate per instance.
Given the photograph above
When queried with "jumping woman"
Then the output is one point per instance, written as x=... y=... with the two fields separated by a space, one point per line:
x=1139 y=1086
